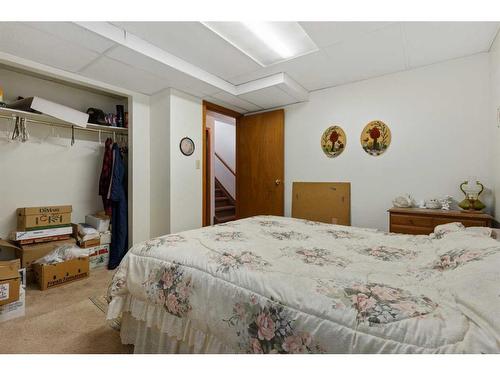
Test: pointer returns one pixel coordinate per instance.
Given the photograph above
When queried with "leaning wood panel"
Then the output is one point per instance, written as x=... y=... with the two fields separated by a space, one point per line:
x=327 y=202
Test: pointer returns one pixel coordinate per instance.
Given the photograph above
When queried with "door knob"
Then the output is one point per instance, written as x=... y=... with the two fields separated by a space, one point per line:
x=277 y=182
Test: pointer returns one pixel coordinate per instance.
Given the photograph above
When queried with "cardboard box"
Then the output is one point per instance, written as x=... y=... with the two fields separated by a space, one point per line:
x=42 y=221
x=98 y=256
x=53 y=109
x=64 y=237
x=41 y=233
x=57 y=274
x=9 y=281
x=30 y=253
x=44 y=210
x=16 y=309
x=89 y=243
x=7 y=250
x=105 y=238
x=101 y=224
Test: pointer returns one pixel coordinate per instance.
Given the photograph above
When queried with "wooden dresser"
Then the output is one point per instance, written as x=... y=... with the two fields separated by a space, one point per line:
x=423 y=221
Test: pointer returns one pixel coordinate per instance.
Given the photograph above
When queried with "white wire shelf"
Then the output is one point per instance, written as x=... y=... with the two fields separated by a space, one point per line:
x=36 y=118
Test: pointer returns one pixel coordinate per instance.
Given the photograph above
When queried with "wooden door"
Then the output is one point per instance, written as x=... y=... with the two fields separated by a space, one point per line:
x=260 y=164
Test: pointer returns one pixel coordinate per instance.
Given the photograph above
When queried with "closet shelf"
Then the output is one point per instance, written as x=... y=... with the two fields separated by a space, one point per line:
x=42 y=119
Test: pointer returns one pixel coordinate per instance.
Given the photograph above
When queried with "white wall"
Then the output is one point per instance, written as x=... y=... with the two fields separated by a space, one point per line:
x=139 y=170
x=185 y=171
x=71 y=167
x=160 y=163
x=441 y=134
x=495 y=116
x=46 y=170
x=16 y=84
x=225 y=147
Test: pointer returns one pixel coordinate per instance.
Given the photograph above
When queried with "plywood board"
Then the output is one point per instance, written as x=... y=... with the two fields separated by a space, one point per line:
x=327 y=202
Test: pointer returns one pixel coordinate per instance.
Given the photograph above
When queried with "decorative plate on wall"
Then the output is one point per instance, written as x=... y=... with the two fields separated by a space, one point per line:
x=333 y=141
x=187 y=146
x=375 y=138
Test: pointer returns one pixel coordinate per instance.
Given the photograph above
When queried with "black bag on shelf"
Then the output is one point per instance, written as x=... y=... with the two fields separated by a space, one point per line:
x=96 y=116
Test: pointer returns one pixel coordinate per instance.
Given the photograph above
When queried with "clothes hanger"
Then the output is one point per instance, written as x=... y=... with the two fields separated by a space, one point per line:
x=25 y=135
x=16 y=133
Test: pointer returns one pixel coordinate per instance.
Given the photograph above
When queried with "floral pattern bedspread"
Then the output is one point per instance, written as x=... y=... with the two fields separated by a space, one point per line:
x=280 y=285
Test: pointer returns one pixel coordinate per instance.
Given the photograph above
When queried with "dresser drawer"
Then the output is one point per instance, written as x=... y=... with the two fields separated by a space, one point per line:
x=409 y=229
x=423 y=221
x=412 y=220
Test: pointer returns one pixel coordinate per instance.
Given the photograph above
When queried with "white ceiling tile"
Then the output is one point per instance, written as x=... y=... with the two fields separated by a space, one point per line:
x=370 y=55
x=222 y=103
x=73 y=33
x=116 y=73
x=195 y=43
x=312 y=71
x=23 y=41
x=349 y=52
x=175 y=78
x=236 y=101
x=269 y=97
x=431 y=42
x=327 y=33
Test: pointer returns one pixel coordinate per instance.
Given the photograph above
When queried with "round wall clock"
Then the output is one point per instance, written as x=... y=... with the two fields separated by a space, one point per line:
x=375 y=138
x=333 y=141
x=187 y=146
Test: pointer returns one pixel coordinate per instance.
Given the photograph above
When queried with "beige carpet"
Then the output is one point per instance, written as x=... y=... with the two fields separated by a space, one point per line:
x=63 y=320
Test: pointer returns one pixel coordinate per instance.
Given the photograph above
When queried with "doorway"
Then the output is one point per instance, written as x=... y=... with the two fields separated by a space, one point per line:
x=243 y=164
x=219 y=164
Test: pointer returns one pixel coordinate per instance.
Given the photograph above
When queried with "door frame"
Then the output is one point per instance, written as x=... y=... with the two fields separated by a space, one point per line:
x=211 y=107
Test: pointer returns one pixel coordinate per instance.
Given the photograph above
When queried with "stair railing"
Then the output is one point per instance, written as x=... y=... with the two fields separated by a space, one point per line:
x=225 y=164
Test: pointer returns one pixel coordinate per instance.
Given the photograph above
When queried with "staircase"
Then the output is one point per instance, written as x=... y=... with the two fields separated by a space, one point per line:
x=225 y=208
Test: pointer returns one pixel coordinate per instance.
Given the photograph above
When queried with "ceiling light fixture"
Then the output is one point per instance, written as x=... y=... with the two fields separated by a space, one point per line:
x=267 y=43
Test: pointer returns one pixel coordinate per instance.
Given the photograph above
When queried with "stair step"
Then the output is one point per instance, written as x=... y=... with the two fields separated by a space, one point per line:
x=224 y=219
x=224 y=208
x=218 y=199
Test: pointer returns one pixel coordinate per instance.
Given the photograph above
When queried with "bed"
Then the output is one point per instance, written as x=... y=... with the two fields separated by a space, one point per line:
x=280 y=285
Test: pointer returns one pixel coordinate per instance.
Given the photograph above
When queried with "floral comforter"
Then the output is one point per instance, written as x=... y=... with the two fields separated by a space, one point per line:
x=280 y=285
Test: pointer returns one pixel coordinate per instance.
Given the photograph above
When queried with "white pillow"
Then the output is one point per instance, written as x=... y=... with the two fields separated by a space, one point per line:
x=480 y=231
x=441 y=230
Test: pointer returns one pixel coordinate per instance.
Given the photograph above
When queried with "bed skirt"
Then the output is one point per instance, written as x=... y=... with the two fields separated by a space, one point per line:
x=153 y=330
x=152 y=340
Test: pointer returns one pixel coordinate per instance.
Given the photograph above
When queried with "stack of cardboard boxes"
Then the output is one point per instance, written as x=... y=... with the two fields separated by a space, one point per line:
x=40 y=230
x=98 y=252
x=12 y=290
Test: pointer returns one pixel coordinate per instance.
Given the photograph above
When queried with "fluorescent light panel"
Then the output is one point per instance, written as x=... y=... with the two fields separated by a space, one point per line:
x=267 y=43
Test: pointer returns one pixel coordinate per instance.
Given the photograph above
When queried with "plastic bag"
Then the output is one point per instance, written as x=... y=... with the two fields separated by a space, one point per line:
x=62 y=254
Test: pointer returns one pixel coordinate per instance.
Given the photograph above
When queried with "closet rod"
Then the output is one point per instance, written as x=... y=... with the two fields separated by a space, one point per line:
x=104 y=130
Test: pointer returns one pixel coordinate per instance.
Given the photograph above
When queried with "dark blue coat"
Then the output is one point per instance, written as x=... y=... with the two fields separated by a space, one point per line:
x=119 y=217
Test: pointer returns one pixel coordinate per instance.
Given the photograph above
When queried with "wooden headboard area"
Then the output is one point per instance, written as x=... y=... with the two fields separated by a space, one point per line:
x=327 y=202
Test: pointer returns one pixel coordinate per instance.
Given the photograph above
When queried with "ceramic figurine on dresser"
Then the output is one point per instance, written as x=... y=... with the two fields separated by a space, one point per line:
x=404 y=201
x=446 y=202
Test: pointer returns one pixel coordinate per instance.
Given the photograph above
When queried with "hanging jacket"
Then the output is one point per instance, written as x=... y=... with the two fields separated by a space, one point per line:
x=119 y=217
x=106 y=173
